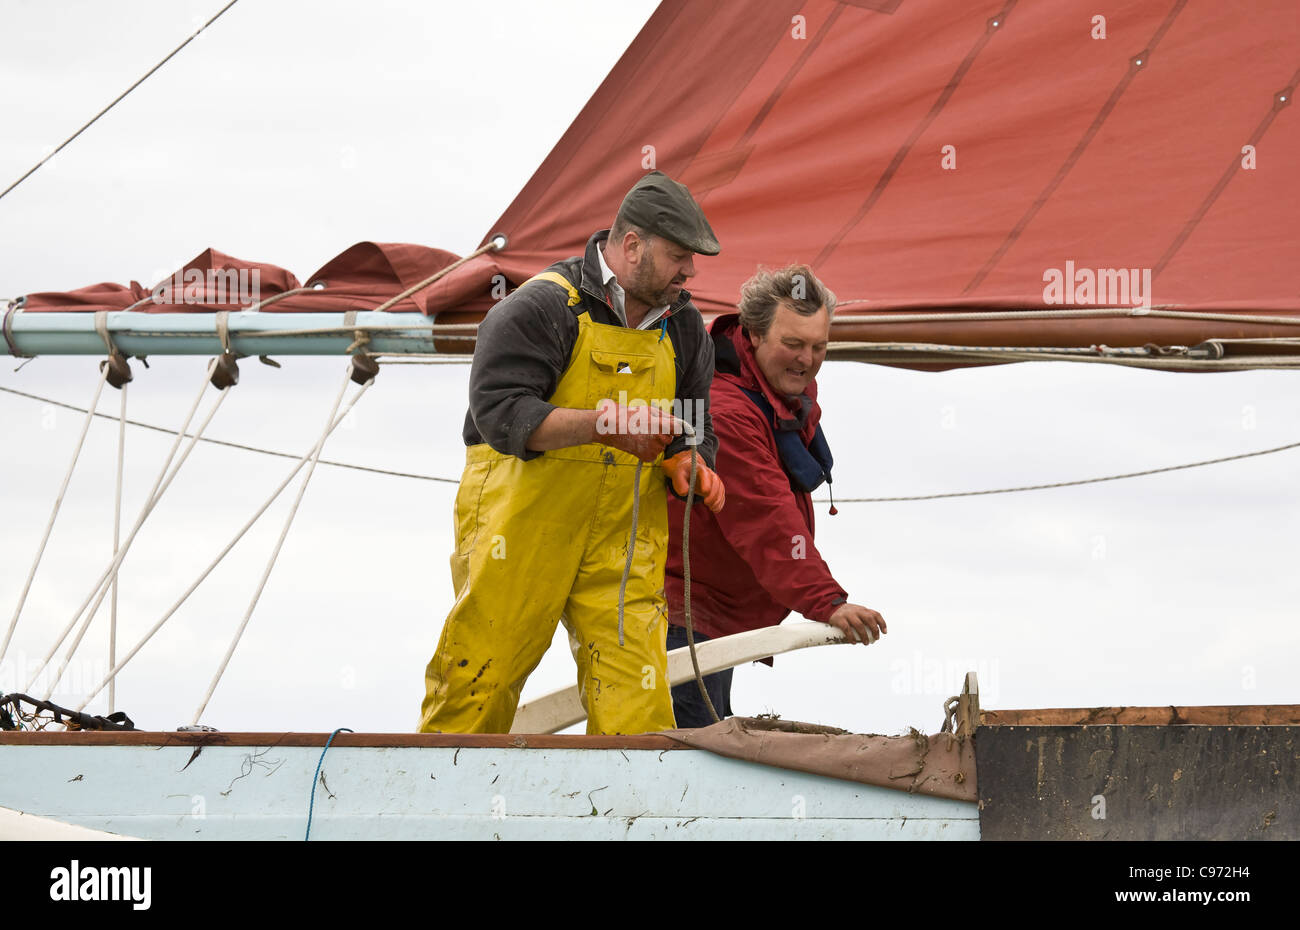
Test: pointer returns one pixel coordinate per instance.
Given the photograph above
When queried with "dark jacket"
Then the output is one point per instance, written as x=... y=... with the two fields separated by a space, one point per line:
x=525 y=342
x=754 y=562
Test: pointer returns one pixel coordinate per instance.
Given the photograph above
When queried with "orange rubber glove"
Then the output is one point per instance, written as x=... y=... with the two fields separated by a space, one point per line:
x=708 y=486
x=643 y=431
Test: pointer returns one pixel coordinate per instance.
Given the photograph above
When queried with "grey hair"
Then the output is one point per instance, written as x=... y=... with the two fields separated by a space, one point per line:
x=621 y=228
x=794 y=285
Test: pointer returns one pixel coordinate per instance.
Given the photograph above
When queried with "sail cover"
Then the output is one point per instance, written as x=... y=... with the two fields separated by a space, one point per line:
x=925 y=155
x=983 y=173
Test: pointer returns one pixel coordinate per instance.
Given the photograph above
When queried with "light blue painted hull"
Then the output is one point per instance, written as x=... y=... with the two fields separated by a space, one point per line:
x=262 y=792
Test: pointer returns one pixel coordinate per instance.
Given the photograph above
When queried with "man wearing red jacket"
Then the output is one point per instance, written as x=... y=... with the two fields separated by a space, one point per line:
x=754 y=561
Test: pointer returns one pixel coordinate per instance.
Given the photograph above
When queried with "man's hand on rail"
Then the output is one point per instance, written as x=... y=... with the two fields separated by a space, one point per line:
x=860 y=624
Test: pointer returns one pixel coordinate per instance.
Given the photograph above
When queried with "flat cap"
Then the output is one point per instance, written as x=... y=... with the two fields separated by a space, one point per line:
x=660 y=205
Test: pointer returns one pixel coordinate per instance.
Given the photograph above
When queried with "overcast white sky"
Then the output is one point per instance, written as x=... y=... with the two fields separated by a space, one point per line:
x=289 y=131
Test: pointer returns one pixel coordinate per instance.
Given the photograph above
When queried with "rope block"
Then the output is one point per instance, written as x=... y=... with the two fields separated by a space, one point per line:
x=119 y=370
x=225 y=371
x=364 y=368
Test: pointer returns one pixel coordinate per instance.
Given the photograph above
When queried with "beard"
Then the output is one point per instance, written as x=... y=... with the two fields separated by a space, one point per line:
x=647 y=285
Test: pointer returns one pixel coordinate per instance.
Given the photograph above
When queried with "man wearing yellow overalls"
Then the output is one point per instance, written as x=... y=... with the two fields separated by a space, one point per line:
x=581 y=381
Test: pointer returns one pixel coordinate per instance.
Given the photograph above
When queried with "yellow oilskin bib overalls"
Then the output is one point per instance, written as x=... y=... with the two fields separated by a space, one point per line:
x=546 y=540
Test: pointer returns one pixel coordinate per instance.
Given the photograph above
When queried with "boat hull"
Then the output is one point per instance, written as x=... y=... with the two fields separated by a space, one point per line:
x=259 y=787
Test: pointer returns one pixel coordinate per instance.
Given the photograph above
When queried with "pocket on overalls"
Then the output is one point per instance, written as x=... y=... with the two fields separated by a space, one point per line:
x=624 y=377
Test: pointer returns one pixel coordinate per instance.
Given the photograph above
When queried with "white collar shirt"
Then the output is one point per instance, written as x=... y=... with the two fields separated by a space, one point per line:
x=617 y=296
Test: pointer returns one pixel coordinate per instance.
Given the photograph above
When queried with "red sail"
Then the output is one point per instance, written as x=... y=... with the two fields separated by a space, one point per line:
x=982 y=165
x=925 y=155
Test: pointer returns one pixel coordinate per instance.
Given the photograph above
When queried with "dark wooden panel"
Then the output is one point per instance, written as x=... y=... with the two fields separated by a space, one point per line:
x=1215 y=715
x=1149 y=782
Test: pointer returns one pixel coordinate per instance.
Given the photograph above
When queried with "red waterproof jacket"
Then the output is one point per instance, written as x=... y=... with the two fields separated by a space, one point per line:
x=755 y=561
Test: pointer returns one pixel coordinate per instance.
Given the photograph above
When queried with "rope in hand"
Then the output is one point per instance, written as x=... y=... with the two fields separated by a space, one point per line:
x=686 y=583
x=686 y=565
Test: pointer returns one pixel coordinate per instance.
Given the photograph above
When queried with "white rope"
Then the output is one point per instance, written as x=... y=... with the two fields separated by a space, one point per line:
x=490 y=246
x=101 y=327
x=236 y=445
x=58 y=502
x=965 y=316
x=1126 y=357
x=1068 y=484
x=154 y=494
x=118 y=99
x=846 y=500
x=117 y=561
x=223 y=330
x=1000 y=351
x=453 y=360
x=686 y=588
x=275 y=552
x=117 y=533
x=230 y=545
x=394 y=330
x=266 y=302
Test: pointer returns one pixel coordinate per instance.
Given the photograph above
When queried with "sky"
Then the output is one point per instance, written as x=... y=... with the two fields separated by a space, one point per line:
x=289 y=131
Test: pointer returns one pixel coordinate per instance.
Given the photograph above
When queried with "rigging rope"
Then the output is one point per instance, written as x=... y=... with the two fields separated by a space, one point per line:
x=58 y=502
x=117 y=533
x=151 y=500
x=232 y=445
x=117 y=100
x=847 y=500
x=230 y=545
x=1067 y=484
x=490 y=246
x=117 y=561
x=426 y=361
x=446 y=331
x=275 y=552
x=1103 y=355
x=963 y=316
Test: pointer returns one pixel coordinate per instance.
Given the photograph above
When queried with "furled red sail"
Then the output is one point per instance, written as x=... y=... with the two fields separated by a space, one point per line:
x=925 y=155
x=948 y=161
